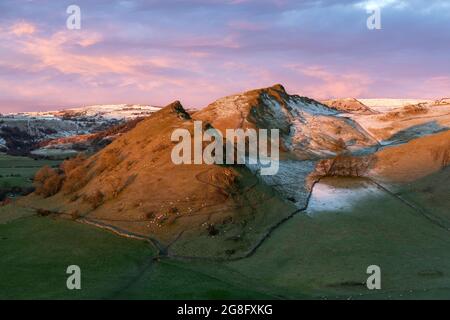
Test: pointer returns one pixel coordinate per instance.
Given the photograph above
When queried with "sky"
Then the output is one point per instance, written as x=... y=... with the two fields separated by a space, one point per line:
x=196 y=51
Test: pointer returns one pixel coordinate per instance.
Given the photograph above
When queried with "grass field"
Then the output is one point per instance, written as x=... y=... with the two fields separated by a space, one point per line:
x=327 y=255
x=18 y=171
x=324 y=256
x=37 y=251
x=432 y=195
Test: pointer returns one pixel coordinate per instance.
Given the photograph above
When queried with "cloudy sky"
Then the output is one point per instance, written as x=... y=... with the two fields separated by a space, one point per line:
x=157 y=51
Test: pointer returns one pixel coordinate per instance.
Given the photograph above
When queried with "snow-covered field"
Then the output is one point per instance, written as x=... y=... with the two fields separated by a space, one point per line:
x=107 y=112
x=329 y=196
x=121 y=111
x=402 y=125
x=385 y=105
x=34 y=127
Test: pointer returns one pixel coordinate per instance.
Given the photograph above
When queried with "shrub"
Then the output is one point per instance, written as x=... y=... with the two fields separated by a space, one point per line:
x=76 y=179
x=47 y=182
x=340 y=145
x=5 y=202
x=72 y=164
x=43 y=212
x=109 y=159
x=74 y=198
x=150 y=215
x=96 y=199
x=212 y=230
x=118 y=186
x=51 y=186
x=75 y=215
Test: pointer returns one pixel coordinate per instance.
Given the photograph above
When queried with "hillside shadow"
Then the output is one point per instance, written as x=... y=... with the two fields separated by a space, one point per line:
x=417 y=131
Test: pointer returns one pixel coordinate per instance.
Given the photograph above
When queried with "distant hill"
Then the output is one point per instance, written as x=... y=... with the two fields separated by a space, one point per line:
x=25 y=133
x=349 y=105
x=383 y=105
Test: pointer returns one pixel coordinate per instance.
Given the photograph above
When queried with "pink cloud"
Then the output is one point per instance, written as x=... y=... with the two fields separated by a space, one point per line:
x=57 y=52
x=22 y=28
x=327 y=84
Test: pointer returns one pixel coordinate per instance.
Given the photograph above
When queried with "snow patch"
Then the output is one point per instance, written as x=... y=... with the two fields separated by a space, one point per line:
x=121 y=111
x=51 y=125
x=385 y=105
x=54 y=153
x=290 y=181
x=341 y=198
x=107 y=112
x=298 y=105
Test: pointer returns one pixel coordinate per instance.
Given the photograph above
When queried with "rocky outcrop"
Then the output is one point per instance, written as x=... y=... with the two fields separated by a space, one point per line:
x=341 y=166
x=308 y=129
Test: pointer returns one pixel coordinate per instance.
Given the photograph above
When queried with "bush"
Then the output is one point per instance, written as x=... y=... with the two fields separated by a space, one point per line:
x=96 y=199
x=150 y=215
x=118 y=186
x=72 y=164
x=5 y=202
x=109 y=160
x=75 y=172
x=76 y=179
x=47 y=182
x=43 y=212
x=212 y=230
x=75 y=215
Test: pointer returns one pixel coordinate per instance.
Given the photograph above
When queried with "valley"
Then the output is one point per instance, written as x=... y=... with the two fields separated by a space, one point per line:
x=310 y=256
x=357 y=185
x=17 y=173
x=62 y=134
